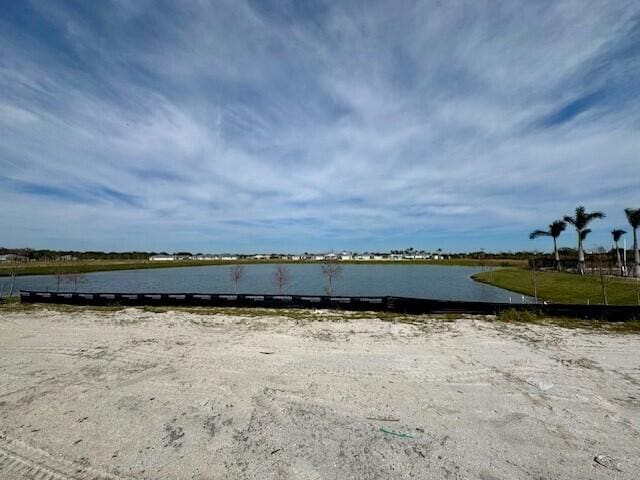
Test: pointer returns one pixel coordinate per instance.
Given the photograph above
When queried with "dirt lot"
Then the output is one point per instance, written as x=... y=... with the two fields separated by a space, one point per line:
x=134 y=394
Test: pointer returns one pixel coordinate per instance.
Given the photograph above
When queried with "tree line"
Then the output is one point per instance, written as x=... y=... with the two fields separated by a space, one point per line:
x=580 y=221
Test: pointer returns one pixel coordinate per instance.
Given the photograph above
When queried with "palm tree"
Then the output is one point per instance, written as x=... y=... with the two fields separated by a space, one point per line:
x=555 y=229
x=580 y=222
x=616 y=234
x=633 y=215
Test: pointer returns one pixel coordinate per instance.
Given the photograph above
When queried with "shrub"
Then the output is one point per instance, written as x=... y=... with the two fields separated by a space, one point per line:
x=517 y=315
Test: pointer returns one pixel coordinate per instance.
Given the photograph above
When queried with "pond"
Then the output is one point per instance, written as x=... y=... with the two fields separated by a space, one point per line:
x=420 y=281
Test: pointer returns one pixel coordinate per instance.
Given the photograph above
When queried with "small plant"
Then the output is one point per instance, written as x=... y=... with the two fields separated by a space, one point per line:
x=520 y=316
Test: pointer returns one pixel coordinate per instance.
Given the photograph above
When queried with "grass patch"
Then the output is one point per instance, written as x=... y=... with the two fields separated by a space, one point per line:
x=513 y=315
x=519 y=316
x=9 y=300
x=14 y=305
x=560 y=287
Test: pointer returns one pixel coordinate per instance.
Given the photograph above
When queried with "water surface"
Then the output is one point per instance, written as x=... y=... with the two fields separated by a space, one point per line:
x=421 y=281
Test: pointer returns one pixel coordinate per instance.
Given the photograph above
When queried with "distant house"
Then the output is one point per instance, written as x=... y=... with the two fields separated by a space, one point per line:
x=67 y=258
x=12 y=257
x=205 y=257
x=163 y=258
x=229 y=257
x=330 y=256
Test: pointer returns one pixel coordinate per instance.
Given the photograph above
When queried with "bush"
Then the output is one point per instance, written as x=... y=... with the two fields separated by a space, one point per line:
x=517 y=315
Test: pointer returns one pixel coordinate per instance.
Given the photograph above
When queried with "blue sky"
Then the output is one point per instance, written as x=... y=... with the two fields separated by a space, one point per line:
x=307 y=126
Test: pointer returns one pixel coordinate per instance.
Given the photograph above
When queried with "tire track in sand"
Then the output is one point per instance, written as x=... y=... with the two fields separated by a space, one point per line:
x=19 y=460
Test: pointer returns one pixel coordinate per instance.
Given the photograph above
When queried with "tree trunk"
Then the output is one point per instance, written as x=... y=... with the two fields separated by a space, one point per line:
x=580 y=256
x=556 y=254
x=618 y=259
x=636 y=254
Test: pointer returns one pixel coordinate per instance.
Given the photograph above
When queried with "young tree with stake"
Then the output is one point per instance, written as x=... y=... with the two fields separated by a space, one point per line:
x=331 y=271
x=236 y=272
x=281 y=277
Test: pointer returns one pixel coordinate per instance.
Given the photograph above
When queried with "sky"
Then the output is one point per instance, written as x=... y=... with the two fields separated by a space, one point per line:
x=293 y=126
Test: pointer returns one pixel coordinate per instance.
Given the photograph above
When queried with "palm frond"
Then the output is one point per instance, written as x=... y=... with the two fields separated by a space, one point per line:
x=593 y=216
x=584 y=233
x=556 y=228
x=633 y=216
x=617 y=233
x=539 y=233
x=570 y=220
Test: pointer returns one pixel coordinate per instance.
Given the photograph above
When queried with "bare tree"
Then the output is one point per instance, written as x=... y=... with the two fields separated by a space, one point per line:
x=535 y=280
x=331 y=270
x=76 y=277
x=603 y=282
x=59 y=276
x=236 y=272
x=281 y=277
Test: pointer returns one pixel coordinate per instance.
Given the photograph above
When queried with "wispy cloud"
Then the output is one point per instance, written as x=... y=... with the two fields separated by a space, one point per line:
x=246 y=125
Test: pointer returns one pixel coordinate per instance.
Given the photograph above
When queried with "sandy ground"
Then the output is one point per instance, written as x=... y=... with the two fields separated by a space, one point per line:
x=140 y=395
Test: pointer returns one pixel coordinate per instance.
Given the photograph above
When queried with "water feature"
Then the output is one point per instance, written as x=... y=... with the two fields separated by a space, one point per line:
x=421 y=281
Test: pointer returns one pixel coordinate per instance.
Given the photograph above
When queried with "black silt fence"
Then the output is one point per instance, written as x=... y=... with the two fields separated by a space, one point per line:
x=371 y=303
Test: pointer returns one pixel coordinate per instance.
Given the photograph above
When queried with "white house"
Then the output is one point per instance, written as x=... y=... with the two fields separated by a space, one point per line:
x=163 y=258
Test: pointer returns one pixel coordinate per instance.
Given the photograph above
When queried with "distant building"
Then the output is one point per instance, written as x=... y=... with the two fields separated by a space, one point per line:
x=205 y=257
x=163 y=258
x=12 y=257
x=67 y=258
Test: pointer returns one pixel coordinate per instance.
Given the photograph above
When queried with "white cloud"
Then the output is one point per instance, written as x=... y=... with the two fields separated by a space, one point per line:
x=379 y=124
